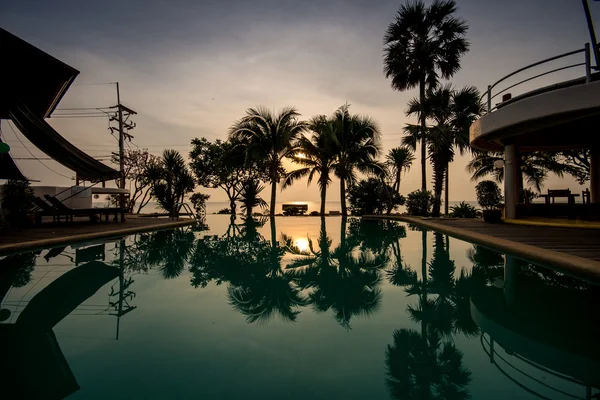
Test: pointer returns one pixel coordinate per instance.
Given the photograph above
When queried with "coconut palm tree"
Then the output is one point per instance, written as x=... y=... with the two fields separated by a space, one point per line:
x=250 y=196
x=422 y=45
x=271 y=137
x=316 y=156
x=357 y=146
x=399 y=159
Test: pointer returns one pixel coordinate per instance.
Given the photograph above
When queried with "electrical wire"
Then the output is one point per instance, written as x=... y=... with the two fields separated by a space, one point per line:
x=41 y=162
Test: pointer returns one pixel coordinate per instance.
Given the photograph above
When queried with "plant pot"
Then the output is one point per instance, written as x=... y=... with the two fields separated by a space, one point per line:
x=492 y=216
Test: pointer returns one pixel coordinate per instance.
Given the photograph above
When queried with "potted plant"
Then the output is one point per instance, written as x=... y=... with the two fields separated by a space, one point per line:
x=489 y=198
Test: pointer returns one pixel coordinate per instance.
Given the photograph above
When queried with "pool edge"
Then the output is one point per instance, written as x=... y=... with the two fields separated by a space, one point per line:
x=12 y=248
x=581 y=267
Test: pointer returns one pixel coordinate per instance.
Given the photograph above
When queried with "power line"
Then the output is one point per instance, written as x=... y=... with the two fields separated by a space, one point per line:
x=19 y=139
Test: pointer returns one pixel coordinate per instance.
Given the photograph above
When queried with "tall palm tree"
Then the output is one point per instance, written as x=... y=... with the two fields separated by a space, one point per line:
x=316 y=156
x=357 y=146
x=399 y=159
x=422 y=45
x=269 y=136
x=450 y=113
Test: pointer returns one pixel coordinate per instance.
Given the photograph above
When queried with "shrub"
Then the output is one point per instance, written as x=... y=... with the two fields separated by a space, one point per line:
x=527 y=196
x=198 y=201
x=224 y=211
x=17 y=201
x=463 y=210
x=373 y=196
x=314 y=213
x=488 y=195
x=419 y=203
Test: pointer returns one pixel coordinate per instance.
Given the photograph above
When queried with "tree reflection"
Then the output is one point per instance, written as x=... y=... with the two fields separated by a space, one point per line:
x=168 y=250
x=427 y=365
x=344 y=279
x=258 y=288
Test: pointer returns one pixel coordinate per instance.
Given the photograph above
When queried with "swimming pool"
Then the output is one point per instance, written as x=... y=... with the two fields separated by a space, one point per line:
x=337 y=308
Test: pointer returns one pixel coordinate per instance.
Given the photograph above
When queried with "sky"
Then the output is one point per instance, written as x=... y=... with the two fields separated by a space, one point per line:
x=191 y=68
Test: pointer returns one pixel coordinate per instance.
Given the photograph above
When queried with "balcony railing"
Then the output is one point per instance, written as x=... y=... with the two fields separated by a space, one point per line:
x=490 y=95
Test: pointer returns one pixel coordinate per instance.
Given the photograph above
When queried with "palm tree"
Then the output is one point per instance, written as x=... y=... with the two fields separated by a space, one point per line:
x=316 y=155
x=271 y=137
x=357 y=146
x=250 y=196
x=534 y=167
x=422 y=45
x=399 y=159
x=169 y=251
x=451 y=113
x=171 y=181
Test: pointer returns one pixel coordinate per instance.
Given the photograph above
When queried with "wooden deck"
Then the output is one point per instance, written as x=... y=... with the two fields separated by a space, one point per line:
x=62 y=233
x=571 y=250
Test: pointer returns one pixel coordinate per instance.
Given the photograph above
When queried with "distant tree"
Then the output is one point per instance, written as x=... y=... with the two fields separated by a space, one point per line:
x=223 y=165
x=398 y=160
x=357 y=146
x=422 y=45
x=171 y=181
x=316 y=155
x=137 y=163
x=269 y=137
x=198 y=201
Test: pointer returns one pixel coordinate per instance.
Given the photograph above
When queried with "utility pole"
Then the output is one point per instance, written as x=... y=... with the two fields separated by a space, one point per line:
x=590 y=24
x=121 y=150
x=123 y=124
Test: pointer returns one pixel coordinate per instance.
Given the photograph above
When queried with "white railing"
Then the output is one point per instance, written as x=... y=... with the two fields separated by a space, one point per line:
x=588 y=74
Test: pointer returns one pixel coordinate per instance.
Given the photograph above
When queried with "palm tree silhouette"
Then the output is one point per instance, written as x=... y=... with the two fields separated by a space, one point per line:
x=169 y=250
x=271 y=137
x=422 y=45
x=316 y=156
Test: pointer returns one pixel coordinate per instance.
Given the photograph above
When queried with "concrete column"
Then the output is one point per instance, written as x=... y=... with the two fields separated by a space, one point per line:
x=511 y=175
x=595 y=175
x=512 y=266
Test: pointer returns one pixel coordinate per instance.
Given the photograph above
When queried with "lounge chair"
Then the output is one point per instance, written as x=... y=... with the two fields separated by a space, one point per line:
x=46 y=210
x=86 y=212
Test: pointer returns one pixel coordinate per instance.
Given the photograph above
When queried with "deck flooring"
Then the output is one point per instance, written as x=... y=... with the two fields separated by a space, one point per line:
x=578 y=242
x=12 y=240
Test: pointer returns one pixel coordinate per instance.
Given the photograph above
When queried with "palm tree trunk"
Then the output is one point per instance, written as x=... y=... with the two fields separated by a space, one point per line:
x=424 y=282
x=323 y=198
x=423 y=138
x=273 y=194
x=398 y=176
x=446 y=194
x=343 y=196
x=438 y=186
x=273 y=232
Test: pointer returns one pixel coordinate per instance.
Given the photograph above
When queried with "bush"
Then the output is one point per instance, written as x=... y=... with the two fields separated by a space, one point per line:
x=488 y=195
x=17 y=201
x=198 y=201
x=463 y=210
x=419 y=203
x=527 y=196
x=372 y=196
x=314 y=213
x=224 y=211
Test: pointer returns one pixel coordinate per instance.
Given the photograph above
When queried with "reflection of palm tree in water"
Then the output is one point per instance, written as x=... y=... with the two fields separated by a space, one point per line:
x=427 y=365
x=339 y=279
x=168 y=250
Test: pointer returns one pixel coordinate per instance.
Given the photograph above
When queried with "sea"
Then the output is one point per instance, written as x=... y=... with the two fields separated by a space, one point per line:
x=213 y=207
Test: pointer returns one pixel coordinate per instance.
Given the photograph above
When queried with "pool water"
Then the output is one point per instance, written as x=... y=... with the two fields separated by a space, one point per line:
x=305 y=308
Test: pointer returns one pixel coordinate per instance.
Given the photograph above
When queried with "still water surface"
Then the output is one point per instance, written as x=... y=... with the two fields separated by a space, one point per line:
x=335 y=309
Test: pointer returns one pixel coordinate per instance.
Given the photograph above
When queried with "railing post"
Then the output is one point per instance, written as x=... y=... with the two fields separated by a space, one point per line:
x=588 y=67
x=489 y=98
